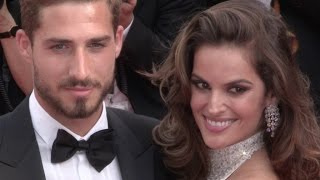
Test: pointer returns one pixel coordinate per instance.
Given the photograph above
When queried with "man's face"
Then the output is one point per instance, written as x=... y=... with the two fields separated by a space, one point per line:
x=74 y=53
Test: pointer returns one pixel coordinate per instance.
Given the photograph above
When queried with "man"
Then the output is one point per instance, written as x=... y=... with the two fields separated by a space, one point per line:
x=15 y=75
x=302 y=17
x=151 y=27
x=63 y=130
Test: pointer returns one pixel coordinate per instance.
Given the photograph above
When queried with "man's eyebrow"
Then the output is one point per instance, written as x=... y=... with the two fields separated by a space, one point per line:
x=57 y=40
x=106 y=38
x=67 y=41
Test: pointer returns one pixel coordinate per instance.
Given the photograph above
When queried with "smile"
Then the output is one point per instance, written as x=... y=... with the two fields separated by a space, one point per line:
x=218 y=126
x=219 y=123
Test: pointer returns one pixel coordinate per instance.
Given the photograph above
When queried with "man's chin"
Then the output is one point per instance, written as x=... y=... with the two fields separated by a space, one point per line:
x=81 y=109
x=77 y=113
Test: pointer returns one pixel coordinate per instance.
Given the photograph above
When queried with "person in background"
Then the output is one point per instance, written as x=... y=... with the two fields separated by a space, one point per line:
x=239 y=106
x=303 y=19
x=63 y=130
x=150 y=27
x=15 y=74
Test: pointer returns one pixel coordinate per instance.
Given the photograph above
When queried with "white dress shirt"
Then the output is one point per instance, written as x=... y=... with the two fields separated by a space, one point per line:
x=77 y=167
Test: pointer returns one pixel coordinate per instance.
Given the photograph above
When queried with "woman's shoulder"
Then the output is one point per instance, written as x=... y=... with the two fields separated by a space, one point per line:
x=255 y=175
x=255 y=172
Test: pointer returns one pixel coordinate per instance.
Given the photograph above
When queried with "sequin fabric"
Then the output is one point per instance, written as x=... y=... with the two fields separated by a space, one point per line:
x=225 y=161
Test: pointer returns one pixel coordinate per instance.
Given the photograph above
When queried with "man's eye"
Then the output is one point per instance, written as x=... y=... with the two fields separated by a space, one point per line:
x=59 y=47
x=97 y=45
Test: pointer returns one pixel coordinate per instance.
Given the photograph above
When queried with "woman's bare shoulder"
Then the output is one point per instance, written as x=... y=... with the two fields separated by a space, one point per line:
x=256 y=175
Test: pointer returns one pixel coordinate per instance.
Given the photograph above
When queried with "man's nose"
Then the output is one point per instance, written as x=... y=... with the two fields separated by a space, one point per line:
x=80 y=68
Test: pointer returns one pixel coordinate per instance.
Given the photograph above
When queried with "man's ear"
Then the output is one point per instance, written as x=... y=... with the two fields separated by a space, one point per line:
x=24 y=45
x=118 y=40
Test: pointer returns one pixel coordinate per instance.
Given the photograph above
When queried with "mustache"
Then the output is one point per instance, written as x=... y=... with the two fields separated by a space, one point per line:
x=73 y=82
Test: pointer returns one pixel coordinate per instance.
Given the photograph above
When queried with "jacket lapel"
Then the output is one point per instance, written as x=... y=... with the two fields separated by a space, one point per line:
x=19 y=149
x=135 y=157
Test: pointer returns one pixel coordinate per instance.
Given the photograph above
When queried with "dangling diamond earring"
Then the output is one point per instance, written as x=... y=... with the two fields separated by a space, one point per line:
x=272 y=116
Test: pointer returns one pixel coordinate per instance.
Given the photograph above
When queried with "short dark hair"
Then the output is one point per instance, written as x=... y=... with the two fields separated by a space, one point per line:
x=30 y=10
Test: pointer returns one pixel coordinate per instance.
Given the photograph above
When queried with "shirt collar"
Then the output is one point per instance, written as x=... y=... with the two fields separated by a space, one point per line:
x=46 y=126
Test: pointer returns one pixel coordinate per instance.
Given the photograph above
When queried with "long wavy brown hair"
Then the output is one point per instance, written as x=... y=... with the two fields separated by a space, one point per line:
x=295 y=150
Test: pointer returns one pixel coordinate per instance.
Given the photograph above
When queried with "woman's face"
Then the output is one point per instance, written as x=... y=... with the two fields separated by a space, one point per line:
x=227 y=95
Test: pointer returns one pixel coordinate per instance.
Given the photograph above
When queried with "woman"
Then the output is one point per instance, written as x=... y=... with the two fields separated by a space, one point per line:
x=238 y=104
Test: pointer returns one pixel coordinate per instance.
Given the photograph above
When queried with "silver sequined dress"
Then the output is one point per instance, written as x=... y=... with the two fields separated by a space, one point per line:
x=225 y=161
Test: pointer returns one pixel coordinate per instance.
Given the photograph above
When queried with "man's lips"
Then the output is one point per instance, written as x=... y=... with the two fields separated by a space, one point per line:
x=80 y=91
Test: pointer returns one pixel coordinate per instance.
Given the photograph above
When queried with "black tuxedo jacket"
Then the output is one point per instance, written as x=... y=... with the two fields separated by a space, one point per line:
x=20 y=157
x=155 y=25
x=302 y=17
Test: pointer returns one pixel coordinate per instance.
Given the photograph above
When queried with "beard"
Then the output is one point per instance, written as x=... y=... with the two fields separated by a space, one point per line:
x=80 y=108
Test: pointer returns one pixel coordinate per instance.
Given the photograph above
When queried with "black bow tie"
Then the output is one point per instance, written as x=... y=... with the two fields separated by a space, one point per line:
x=98 y=148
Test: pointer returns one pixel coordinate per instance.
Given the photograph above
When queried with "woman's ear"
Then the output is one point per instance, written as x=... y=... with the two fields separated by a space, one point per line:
x=25 y=45
x=271 y=99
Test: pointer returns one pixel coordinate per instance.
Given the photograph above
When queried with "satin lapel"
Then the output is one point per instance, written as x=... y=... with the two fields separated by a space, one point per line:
x=135 y=159
x=19 y=148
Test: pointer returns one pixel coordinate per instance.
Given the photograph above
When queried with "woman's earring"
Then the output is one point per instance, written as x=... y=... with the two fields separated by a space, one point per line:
x=272 y=116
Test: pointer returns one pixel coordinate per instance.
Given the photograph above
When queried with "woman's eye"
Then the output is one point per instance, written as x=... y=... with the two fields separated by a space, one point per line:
x=200 y=84
x=237 y=90
x=203 y=85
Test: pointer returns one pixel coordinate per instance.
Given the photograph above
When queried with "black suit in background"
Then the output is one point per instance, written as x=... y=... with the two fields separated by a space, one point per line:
x=302 y=17
x=10 y=94
x=20 y=157
x=155 y=25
